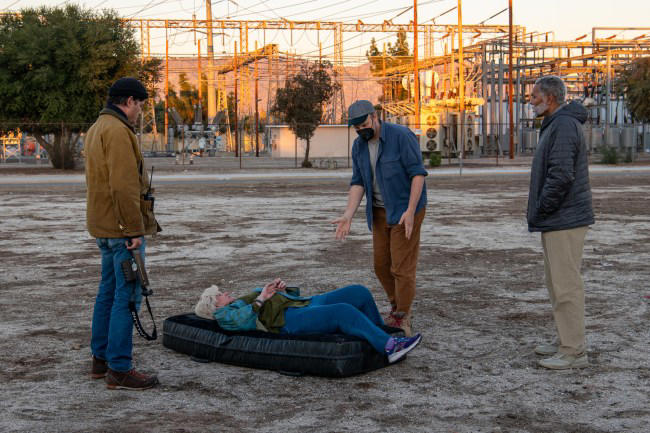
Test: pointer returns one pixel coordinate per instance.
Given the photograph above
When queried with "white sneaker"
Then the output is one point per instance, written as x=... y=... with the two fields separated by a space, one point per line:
x=563 y=361
x=546 y=349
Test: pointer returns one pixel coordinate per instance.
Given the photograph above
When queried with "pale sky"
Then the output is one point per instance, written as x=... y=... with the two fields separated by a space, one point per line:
x=567 y=18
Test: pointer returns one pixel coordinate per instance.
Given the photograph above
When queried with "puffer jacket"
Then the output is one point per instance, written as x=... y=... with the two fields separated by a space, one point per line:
x=560 y=195
x=116 y=180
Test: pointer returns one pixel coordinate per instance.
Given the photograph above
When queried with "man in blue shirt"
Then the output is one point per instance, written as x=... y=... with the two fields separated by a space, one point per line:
x=388 y=169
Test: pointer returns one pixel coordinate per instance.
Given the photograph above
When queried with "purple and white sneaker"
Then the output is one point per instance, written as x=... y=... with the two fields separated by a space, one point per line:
x=401 y=346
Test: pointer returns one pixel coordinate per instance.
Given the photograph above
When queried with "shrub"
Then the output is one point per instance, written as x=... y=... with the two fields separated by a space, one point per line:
x=628 y=156
x=609 y=155
x=435 y=158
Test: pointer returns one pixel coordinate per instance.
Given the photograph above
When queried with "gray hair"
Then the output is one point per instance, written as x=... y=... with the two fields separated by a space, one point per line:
x=551 y=85
x=206 y=306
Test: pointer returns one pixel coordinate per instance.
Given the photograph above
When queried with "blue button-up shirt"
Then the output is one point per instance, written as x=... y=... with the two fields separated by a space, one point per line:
x=398 y=160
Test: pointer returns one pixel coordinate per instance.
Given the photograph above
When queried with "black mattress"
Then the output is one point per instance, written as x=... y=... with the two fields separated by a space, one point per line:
x=328 y=355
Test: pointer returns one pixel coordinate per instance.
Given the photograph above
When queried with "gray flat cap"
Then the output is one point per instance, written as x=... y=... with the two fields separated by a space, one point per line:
x=358 y=111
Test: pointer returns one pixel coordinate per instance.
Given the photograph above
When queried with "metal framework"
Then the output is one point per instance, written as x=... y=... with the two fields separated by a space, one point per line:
x=495 y=65
x=337 y=107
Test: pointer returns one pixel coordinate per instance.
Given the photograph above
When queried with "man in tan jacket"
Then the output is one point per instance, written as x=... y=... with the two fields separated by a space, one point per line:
x=118 y=215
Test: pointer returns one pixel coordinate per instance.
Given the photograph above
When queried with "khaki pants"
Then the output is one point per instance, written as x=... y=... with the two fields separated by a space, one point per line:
x=562 y=261
x=395 y=258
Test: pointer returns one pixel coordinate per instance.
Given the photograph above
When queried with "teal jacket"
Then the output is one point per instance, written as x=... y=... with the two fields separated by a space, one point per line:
x=244 y=315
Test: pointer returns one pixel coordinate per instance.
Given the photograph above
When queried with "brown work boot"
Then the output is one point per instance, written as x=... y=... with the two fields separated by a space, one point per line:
x=402 y=320
x=98 y=369
x=129 y=380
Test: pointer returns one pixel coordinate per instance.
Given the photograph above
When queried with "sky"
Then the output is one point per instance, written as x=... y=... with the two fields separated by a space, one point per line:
x=569 y=19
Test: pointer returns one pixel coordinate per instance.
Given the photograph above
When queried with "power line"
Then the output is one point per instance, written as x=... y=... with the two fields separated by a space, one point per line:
x=274 y=9
x=267 y=7
x=359 y=34
x=249 y=10
x=319 y=8
x=148 y=6
x=17 y=1
x=433 y=20
x=495 y=15
x=359 y=6
x=404 y=9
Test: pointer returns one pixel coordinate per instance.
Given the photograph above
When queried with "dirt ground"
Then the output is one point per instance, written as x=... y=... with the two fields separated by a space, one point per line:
x=481 y=306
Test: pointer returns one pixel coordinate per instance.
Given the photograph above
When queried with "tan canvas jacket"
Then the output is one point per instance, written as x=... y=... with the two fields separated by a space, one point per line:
x=116 y=180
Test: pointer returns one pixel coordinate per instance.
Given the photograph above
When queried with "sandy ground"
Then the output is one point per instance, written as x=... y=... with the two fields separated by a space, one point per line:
x=481 y=306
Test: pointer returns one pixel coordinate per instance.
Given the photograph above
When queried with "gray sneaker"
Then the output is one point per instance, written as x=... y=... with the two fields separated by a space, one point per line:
x=546 y=349
x=563 y=361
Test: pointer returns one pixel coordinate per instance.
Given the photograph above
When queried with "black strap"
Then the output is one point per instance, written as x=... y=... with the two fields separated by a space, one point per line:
x=135 y=271
x=138 y=324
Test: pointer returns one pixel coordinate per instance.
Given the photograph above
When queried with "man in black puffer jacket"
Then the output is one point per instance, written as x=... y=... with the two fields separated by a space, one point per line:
x=559 y=206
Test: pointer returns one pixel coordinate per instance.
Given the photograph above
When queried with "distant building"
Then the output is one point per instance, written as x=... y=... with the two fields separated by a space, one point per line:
x=329 y=141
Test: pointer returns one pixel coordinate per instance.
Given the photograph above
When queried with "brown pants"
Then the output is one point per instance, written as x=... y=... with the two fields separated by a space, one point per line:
x=395 y=258
x=562 y=261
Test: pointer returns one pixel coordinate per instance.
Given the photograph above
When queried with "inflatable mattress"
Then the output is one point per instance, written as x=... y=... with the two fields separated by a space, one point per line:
x=329 y=355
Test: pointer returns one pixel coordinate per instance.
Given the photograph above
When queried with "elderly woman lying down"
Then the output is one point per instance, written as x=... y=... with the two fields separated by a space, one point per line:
x=349 y=310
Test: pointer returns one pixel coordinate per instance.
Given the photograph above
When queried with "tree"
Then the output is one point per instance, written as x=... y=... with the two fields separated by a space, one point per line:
x=375 y=57
x=56 y=65
x=300 y=102
x=634 y=82
x=400 y=51
x=396 y=55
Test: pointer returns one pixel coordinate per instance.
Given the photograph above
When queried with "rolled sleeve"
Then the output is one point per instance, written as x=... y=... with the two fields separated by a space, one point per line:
x=411 y=155
x=357 y=179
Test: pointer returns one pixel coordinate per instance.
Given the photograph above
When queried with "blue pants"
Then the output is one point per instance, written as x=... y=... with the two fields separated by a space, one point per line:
x=112 y=328
x=350 y=310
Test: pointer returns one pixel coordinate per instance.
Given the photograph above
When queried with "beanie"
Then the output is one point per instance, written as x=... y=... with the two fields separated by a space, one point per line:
x=128 y=87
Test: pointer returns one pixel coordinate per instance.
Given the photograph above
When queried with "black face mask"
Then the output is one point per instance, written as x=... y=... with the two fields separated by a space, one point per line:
x=366 y=133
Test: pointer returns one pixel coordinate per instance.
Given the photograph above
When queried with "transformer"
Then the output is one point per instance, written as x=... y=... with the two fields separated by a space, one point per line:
x=433 y=132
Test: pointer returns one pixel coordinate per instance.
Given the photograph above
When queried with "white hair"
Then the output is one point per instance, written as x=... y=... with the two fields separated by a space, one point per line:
x=206 y=306
x=551 y=85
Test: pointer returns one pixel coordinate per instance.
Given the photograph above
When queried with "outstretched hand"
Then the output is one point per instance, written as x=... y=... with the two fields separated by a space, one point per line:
x=343 y=227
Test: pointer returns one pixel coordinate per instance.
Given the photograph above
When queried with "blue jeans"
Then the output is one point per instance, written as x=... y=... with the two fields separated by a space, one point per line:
x=350 y=310
x=112 y=328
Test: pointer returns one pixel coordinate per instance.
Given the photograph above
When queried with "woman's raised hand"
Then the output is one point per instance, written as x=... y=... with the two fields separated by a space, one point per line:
x=279 y=284
x=267 y=292
x=270 y=289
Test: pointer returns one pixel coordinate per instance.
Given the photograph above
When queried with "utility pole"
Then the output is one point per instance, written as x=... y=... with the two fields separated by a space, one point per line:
x=383 y=73
x=461 y=85
x=416 y=71
x=510 y=89
x=257 y=112
x=236 y=108
x=166 y=88
x=212 y=100
x=608 y=100
x=198 y=60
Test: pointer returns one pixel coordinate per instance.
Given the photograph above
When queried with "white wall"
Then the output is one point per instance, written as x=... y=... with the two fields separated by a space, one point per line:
x=329 y=141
